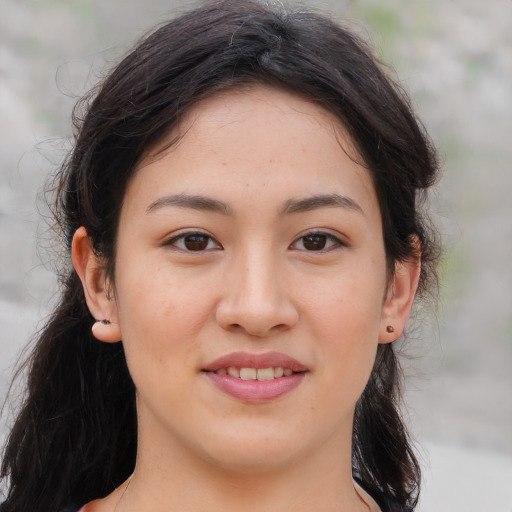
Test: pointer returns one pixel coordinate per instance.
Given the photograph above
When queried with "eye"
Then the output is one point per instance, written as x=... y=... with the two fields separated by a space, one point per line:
x=316 y=242
x=194 y=242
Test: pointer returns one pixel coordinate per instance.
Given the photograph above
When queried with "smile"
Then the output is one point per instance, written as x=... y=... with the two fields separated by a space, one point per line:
x=260 y=374
x=255 y=378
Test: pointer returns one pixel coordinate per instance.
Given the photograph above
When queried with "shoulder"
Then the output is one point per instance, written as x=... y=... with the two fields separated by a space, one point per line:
x=89 y=507
x=86 y=508
x=385 y=503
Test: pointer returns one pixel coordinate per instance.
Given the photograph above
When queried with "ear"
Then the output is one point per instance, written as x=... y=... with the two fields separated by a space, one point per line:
x=97 y=287
x=399 y=299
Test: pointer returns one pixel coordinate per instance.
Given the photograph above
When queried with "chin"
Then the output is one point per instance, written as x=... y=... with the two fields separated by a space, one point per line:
x=253 y=454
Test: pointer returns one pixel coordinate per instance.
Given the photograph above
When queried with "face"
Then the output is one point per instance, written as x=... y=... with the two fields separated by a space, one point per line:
x=255 y=243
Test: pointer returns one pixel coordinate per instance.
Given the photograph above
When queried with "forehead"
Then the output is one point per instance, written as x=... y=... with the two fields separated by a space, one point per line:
x=257 y=140
x=265 y=109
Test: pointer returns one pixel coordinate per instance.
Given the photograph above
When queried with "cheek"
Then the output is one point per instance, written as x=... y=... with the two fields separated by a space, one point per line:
x=349 y=302
x=159 y=317
x=344 y=317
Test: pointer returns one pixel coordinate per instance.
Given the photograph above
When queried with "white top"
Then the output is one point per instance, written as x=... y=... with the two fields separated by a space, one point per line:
x=372 y=506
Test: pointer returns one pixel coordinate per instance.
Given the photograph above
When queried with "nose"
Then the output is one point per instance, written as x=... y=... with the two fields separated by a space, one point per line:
x=256 y=298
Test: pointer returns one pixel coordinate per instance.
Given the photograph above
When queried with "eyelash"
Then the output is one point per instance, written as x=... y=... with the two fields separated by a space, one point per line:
x=182 y=236
x=336 y=242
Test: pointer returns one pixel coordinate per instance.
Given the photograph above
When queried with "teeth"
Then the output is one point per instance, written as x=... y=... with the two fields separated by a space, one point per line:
x=234 y=372
x=248 y=373
x=265 y=374
x=260 y=374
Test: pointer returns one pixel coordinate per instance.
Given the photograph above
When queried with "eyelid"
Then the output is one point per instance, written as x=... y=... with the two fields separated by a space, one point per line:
x=180 y=235
x=337 y=239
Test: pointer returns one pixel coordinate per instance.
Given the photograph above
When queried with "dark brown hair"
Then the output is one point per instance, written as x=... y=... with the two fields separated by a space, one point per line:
x=74 y=439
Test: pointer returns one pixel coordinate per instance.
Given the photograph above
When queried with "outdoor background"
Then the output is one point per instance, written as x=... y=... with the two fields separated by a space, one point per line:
x=455 y=59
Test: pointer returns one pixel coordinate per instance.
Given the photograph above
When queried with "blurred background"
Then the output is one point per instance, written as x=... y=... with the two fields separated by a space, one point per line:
x=455 y=59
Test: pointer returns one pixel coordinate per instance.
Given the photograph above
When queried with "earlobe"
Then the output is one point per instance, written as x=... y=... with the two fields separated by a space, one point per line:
x=399 y=299
x=92 y=272
x=107 y=331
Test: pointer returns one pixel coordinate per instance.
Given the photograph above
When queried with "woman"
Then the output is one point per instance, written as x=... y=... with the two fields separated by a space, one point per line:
x=242 y=211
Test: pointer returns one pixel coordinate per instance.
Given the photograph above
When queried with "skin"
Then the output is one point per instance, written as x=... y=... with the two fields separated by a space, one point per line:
x=256 y=285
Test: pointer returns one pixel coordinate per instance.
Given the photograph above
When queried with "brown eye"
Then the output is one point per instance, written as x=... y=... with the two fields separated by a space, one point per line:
x=317 y=241
x=196 y=242
x=314 y=242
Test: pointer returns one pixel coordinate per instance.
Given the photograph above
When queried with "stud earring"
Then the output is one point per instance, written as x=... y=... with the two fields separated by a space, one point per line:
x=390 y=329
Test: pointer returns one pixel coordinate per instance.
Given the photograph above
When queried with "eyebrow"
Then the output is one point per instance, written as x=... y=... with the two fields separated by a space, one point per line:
x=195 y=202
x=320 y=201
x=203 y=203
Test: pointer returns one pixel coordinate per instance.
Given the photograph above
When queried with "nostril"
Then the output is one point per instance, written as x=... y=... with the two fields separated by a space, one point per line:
x=234 y=328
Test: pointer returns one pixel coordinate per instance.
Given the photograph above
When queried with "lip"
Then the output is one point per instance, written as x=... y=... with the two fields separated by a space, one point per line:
x=254 y=391
x=249 y=360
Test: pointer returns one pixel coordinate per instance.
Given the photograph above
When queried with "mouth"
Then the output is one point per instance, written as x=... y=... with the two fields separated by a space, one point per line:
x=261 y=374
x=255 y=378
